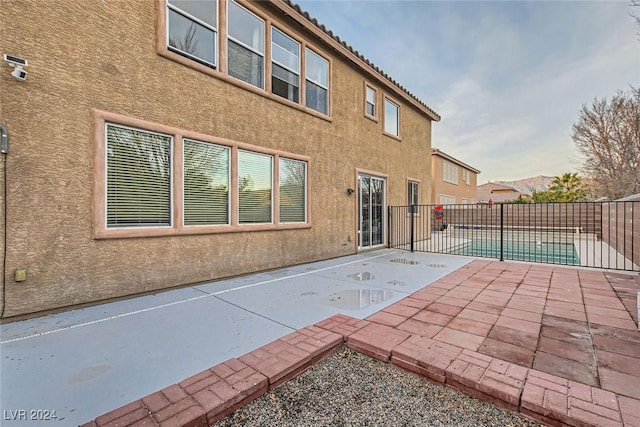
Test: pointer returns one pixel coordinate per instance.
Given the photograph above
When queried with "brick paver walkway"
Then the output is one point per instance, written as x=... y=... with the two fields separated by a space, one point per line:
x=556 y=344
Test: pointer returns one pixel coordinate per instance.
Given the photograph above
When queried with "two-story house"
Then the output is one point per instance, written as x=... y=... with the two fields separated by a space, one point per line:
x=452 y=181
x=161 y=143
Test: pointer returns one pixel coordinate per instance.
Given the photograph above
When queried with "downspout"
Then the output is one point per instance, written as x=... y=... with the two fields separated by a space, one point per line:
x=4 y=149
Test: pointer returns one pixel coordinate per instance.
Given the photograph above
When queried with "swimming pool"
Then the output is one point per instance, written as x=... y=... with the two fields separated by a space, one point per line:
x=552 y=253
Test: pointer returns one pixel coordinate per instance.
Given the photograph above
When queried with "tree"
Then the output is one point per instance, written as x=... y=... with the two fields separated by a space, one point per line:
x=607 y=133
x=565 y=188
x=568 y=188
x=636 y=5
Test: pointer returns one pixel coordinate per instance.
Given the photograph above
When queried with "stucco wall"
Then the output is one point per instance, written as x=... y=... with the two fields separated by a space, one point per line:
x=460 y=190
x=101 y=55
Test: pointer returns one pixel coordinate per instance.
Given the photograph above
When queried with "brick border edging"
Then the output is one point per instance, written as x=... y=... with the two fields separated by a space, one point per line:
x=537 y=395
x=209 y=396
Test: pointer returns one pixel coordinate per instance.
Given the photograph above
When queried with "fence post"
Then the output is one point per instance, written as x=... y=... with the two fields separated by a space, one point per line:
x=411 y=227
x=501 y=231
x=389 y=218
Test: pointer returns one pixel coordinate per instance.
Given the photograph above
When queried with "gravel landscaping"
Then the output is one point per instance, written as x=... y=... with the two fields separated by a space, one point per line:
x=351 y=389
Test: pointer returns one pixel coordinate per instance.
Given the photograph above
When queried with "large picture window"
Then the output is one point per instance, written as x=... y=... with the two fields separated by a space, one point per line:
x=317 y=82
x=192 y=29
x=138 y=187
x=293 y=184
x=255 y=183
x=206 y=183
x=285 y=67
x=245 y=45
x=156 y=180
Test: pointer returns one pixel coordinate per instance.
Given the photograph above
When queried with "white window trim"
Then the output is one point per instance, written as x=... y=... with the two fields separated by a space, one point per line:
x=228 y=184
x=367 y=86
x=307 y=48
x=262 y=55
x=384 y=122
x=297 y=73
x=453 y=172
x=106 y=172
x=200 y=22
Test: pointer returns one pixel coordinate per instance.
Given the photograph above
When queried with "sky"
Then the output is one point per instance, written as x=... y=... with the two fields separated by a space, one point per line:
x=508 y=78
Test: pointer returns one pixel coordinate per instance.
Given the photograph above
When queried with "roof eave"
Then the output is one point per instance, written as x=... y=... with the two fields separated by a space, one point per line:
x=341 y=47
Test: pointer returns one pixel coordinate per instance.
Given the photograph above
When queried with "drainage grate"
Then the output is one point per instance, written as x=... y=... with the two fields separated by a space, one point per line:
x=405 y=261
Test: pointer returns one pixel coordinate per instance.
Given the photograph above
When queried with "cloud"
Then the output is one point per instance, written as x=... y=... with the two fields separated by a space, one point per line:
x=508 y=78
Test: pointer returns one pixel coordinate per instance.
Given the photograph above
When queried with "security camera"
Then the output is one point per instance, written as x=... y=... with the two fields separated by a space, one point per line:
x=19 y=73
x=18 y=64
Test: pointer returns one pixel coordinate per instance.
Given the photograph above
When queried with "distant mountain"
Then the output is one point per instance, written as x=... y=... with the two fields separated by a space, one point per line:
x=528 y=185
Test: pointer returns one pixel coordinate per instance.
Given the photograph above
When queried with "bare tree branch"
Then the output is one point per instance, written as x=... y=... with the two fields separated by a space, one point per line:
x=607 y=133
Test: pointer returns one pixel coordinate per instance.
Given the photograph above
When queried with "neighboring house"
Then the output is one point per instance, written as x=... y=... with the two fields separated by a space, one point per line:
x=161 y=143
x=496 y=193
x=452 y=181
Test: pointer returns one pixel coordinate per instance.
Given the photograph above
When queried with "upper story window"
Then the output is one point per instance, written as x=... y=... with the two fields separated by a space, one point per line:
x=252 y=51
x=193 y=29
x=391 y=118
x=245 y=45
x=285 y=66
x=317 y=82
x=449 y=172
x=466 y=176
x=370 y=108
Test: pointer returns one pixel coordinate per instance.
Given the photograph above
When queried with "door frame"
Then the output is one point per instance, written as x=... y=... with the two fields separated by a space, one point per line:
x=357 y=208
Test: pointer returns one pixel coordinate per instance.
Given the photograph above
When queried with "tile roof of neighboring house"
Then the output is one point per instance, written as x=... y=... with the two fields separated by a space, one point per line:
x=342 y=47
x=444 y=155
x=496 y=192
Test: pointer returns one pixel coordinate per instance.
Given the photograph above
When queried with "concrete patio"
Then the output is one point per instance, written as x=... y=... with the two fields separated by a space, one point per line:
x=556 y=344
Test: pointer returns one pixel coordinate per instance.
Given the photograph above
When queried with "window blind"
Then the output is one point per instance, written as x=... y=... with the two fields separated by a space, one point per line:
x=255 y=182
x=206 y=183
x=138 y=178
x=293 y=178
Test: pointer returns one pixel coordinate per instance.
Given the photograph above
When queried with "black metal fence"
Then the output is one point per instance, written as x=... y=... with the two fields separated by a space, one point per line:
x=589 y=234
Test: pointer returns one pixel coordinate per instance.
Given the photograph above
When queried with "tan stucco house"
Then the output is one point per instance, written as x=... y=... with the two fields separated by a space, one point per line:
x=496 y=193
x=452 y=181
x=161 y=143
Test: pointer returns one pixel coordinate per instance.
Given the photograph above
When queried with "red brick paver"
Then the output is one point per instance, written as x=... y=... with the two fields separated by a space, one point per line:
x=556 y=344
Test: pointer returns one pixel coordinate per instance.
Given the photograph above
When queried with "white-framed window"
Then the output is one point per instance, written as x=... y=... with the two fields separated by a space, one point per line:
x=255 y=188
x=285 y=66
x=192 y=30
x=138 y=178
x=413 y=195
x=207 y=172
x=466 y=176
x=391 y=117
x=293 y=191
x=317 y=82
x=447 y=200
x=245 y=44
x=370 y=106
x=449 y=172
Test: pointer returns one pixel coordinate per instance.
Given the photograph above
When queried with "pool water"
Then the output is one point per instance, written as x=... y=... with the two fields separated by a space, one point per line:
x=552 y=253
